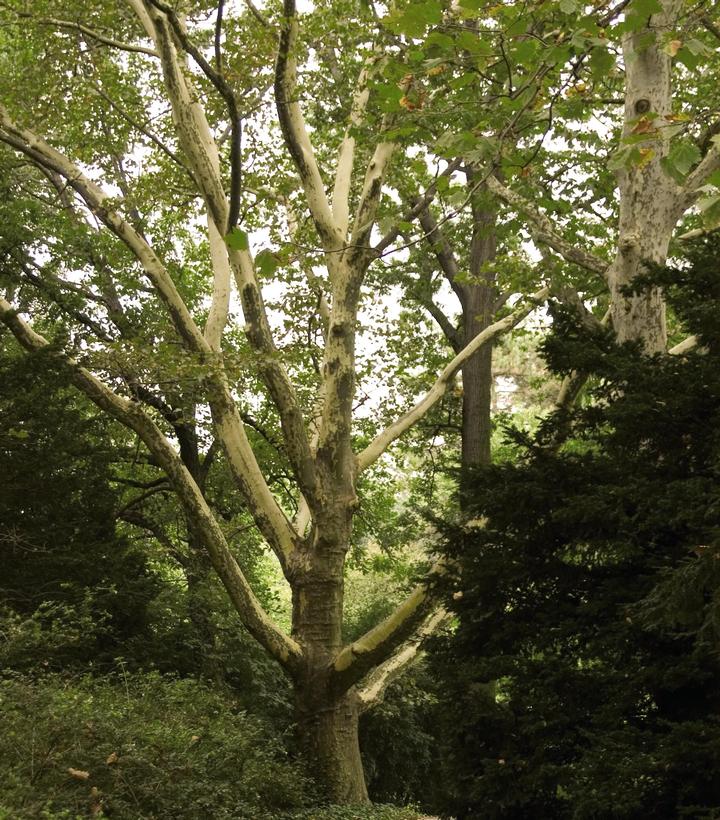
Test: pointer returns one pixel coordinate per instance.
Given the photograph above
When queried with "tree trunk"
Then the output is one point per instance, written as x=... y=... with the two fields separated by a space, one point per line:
x=478 y=305
x=328 y=733
x=648 y=195
x=327 y=721
x=477 y=381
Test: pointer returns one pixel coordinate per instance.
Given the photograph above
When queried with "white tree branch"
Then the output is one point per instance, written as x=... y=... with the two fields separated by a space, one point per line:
x=346 y=154
x=683 y=347
x=198 y=143
x=29 y=143
x=383 y=440
x=697 y=178
x=543 y=230
x=270 y=518
x=370 y=199
x=373 y=688
x=295 y=133
x=129 y=413
x=357 y=659
x=217 y=317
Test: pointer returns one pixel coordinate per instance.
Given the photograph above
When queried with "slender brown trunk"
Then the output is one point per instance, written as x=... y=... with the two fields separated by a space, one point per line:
x=477 y=381
x=478 y=307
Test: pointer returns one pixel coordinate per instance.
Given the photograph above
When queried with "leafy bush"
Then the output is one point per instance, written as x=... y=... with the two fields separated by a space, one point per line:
x=375 y=812
x=138 y=747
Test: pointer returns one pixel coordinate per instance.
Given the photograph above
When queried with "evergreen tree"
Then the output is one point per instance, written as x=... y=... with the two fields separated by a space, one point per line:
x=588 y=588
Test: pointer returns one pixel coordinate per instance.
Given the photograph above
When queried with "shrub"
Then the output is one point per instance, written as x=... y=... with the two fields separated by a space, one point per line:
x=138 y=747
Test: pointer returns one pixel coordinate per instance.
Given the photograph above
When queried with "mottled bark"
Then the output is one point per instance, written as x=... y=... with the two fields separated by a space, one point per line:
x=328 y=733
x=326 y=717
x=648 y=195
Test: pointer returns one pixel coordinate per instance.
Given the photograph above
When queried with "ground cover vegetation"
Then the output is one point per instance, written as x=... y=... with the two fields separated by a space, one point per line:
x=247 y=253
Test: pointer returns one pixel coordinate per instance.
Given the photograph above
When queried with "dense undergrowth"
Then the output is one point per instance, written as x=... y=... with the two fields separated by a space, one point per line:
x=148 y=747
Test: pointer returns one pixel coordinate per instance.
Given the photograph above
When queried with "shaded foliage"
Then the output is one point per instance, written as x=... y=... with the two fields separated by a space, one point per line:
x=139 y=746
x=62 y=556
x=589 y=590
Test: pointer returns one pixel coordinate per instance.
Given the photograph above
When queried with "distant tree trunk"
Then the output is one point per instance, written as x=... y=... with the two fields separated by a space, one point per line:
x=198 y=569
x=478 y=304
x=198 y=575
x=477 y=379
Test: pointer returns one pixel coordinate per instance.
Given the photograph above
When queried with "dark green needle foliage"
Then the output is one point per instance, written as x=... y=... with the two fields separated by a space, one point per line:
x=589 y=591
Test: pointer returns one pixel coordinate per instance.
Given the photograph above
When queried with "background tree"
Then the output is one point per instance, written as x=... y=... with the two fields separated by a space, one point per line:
x=65 y=565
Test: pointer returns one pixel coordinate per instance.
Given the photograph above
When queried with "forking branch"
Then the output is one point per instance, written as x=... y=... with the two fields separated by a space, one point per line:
x=383 y=440
x=270 y=518
x=130 y=414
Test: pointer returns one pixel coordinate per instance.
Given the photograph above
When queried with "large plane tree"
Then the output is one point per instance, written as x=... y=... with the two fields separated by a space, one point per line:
x=170 y=166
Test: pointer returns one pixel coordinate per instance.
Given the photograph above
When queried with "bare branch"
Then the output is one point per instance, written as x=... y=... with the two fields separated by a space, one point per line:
x=257 y=14
x=295 y=133
x=370 y=199
x=228 y=95
x=683 y=347
x=545 y=232
x=697 y=178
x=451 y=333
x=346 y=154
x=373 y=688
x=355 y=660
x=442 y=249
x=383 y=440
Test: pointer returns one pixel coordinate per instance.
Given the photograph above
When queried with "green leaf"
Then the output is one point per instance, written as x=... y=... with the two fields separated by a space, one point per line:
x=688 y=59
x=619 y=159
x=697 y=47
x=684 y=155
x=472 y=43
x=442 y=41
x=462 y=81
x=524 y=51
x=568 y=6
x=418 y=16
x=520 y=26
x=266 y=262
x=646 y=8
x=667 y=166
x=602 y=61
x=237 y=240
